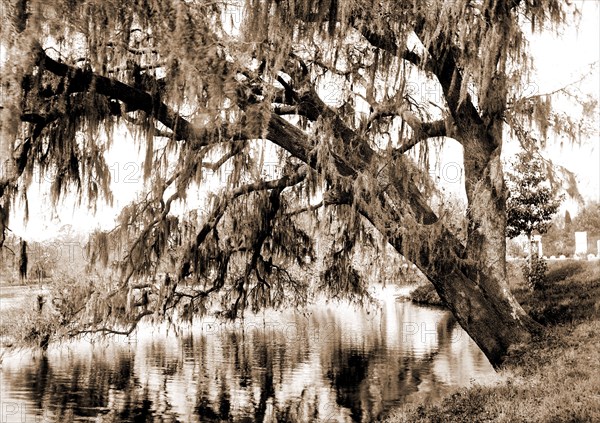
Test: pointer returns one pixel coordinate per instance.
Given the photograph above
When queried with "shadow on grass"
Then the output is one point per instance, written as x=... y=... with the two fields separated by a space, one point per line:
x=569 y=295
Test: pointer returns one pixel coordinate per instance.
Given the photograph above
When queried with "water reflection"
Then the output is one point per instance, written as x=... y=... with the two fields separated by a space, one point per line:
x=333 y=364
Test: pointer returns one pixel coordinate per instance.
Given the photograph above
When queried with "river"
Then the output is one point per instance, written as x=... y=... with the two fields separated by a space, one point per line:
x=331 y=363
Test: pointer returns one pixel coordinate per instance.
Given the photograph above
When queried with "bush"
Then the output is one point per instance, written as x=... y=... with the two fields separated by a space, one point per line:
x=515 y=249
x=536 y=276
x=426 y=295
x=41 y=316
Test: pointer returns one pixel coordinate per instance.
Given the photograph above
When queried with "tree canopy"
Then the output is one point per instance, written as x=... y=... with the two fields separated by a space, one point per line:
x=328 y=84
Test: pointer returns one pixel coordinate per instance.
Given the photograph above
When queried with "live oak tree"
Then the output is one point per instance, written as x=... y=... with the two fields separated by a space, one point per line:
x=200 y=92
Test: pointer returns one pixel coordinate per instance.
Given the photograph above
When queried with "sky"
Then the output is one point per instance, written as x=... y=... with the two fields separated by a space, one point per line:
x=560 y=60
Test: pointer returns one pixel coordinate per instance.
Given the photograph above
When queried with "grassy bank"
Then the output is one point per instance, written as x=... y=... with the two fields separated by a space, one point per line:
x=558 y=378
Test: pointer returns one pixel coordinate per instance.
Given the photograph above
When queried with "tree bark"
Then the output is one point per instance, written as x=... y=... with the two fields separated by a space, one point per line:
x=530 y=253
x=486 y=245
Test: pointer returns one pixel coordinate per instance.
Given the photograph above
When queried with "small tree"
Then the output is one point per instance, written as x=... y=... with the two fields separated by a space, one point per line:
x=530 y=206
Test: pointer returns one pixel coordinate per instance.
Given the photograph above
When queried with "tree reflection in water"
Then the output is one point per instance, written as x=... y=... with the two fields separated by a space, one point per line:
x=336 y=365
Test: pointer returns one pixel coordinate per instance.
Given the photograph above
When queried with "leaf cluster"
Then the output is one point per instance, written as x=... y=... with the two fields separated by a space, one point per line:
x=531 y=202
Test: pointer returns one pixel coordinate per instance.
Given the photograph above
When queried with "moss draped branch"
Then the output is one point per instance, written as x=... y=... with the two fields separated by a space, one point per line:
x=225 y=200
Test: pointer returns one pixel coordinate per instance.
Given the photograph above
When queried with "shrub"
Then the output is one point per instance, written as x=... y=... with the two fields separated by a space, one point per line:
x=535 y=273
x=29 y=324
x=427 y=295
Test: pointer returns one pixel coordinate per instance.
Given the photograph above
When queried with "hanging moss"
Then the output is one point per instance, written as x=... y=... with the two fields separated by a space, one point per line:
x=23 y=259
x=196 y=93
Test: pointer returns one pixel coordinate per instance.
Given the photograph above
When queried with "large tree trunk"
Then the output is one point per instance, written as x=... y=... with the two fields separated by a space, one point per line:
x=486 y=244
x=473 y=288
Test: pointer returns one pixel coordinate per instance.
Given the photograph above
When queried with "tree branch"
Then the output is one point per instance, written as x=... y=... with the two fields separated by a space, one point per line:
x=107 y=330
x=355 y=156
x=235 y=149
x=81 y=80
x=444 y=67
x=421 y=132
x=286 y=110
x=311 y=207
x=224 y=201
x=358 y=157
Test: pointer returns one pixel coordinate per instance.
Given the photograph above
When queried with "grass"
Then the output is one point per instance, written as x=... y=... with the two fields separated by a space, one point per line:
x=558 y=378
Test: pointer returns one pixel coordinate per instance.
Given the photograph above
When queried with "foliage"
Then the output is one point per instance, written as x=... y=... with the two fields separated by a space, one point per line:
x=515 y=249
x=63 y=254
x=588 y=218
x=534 y=271
x=425 y=294
x=568 y=219
x=530 y=204
x=49 y=314
x=530 y=207
x=42 y=260
x=559 y=240
x=28 y=325
x=328 y=84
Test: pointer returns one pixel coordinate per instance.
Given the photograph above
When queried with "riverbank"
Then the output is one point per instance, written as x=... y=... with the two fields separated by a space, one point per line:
x=558 y=378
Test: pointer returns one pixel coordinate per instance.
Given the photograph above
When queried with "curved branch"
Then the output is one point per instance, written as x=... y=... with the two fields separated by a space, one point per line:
x=113 y=331
x=235 y=149
x=421 y=132
x=309 y=208
x=444 y=67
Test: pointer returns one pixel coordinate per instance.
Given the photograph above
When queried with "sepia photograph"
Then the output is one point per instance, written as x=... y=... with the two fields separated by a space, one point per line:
x=300 y=211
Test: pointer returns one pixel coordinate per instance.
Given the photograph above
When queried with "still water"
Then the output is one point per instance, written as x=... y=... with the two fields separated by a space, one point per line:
x=332 y=363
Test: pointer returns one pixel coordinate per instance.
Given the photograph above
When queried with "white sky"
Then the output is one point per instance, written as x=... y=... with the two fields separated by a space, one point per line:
x=559 y=59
